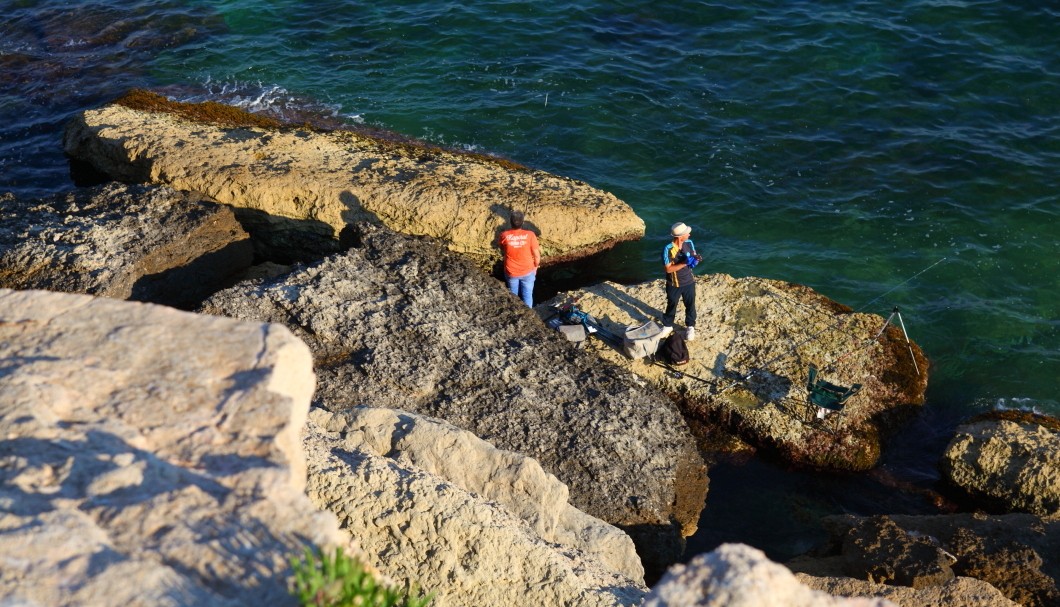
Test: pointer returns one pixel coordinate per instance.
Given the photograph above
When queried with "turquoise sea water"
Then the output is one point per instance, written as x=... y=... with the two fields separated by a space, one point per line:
x=845 y=146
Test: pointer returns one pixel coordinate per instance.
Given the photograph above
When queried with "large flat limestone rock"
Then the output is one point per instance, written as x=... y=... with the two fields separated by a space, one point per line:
x=319 y=182
x=150 y=456
x=755 y=339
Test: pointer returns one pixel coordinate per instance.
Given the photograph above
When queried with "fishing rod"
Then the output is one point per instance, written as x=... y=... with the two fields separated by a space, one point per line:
x=679 y=374
x=529 y=189
x=570 y=313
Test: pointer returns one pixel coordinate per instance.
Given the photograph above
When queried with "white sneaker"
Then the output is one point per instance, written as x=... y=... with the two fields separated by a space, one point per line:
x=665 y=331
x=690 y=334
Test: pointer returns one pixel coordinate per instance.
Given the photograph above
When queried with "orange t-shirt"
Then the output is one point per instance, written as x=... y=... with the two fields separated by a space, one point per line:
x=521 y=254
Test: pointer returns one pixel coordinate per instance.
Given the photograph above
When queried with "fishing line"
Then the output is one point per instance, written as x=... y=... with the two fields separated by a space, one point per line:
x=895 y=288
x=786 y=353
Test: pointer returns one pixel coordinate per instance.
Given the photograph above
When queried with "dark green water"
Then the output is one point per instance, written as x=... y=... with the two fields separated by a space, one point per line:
x=846 y=147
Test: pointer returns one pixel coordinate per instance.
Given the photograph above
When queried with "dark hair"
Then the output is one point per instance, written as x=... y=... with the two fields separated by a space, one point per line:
x=517 y=219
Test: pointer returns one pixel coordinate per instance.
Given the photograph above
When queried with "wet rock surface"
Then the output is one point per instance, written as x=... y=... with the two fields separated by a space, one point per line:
x=302 y=187
x=399 y=322
x=959 y=592
x=755 y=340
x=878 y=550
x=125 y=242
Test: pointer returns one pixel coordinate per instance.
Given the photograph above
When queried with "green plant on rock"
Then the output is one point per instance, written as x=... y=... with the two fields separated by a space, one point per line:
x=322 y=579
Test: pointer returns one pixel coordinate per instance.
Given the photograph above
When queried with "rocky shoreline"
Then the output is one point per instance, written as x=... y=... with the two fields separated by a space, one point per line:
x=347 y=373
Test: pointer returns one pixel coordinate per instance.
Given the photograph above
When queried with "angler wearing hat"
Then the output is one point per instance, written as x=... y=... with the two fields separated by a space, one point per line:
x=522 y=257
x=679 y=257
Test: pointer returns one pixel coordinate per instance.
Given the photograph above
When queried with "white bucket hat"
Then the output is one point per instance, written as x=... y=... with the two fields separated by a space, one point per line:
x=679 y=229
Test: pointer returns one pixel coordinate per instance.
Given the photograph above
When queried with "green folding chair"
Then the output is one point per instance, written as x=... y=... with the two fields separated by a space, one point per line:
x=827 y=397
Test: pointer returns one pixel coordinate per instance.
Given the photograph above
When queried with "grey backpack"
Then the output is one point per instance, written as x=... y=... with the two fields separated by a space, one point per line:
x=642 y=341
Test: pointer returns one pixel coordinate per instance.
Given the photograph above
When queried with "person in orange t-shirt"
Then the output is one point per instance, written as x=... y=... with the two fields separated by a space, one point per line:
x=522 y=258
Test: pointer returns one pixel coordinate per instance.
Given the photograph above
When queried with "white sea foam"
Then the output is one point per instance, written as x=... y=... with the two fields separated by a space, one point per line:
x=1016 y=403
x=271 y=99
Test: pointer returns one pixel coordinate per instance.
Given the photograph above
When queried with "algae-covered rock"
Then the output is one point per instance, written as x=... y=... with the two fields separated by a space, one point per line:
x=997 y=560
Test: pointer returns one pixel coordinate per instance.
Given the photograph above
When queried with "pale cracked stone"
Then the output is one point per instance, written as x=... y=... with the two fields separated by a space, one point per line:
x=467 y=550
x=150 y=456
x=513 y=481
x=735 y=575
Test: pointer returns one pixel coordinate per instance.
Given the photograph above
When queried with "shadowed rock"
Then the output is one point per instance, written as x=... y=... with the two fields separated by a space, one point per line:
x=125 y=242
x=150 y=456
x=959 y=592
x=307 y=186
x=1010 y=557
x=402 y=323
x=1007 y=461
x=880 y=551
x=755 y=339
x=474 y=525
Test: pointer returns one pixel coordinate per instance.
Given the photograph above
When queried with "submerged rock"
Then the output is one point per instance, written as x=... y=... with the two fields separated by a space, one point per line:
x=755 y=340
x=402 y=323
x=1007 y=461
x=473 y=525
x=125 y=242
x=304 y=187
x=150 y=456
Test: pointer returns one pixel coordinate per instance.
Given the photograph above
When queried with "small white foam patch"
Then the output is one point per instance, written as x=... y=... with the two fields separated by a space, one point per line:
x=270 y=99
x=1016 y=403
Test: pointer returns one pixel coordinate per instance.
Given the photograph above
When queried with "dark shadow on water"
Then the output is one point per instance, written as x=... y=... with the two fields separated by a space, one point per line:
x=777 y=508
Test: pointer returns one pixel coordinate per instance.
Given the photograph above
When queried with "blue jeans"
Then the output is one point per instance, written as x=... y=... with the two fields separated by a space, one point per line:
x=523 y=287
